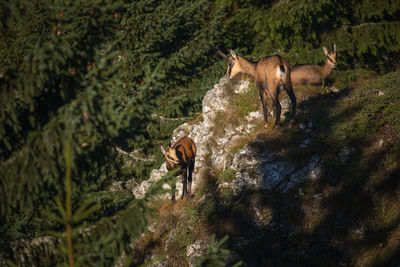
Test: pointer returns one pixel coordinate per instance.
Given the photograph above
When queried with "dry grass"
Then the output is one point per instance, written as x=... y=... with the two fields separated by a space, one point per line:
x=304 y=92
x=198 y=119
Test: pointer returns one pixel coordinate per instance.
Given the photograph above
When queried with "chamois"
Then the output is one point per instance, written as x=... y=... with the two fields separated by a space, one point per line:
x=182 y=154
x=270 y=73
x=313 y=73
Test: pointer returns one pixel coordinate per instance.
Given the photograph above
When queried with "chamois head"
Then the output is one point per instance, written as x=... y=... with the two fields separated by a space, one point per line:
x=233 y=63
x=170 y=154
x=331 y=56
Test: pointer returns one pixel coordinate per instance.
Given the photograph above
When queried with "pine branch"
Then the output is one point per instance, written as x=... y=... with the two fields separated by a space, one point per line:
x=368 y=24
x=68 y=163
x=162 y=118
x=133 y=156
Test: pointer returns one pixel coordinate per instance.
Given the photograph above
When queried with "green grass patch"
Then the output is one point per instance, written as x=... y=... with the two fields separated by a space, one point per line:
x=227 y=176
x=247 y=102
x=368 y=111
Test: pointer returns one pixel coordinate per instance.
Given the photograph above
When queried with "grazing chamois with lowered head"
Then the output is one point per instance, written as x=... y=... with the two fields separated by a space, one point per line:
x=270 y=74
x=313 y=73
x=181 y=155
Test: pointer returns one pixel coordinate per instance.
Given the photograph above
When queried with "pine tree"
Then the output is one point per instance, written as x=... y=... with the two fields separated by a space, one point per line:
x=68 y=88
x=365 y=32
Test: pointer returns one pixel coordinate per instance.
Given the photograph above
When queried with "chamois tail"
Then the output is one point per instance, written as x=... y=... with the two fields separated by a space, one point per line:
x=281 y=71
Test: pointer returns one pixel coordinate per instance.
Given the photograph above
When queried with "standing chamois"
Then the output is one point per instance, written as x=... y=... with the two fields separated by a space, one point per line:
x=313 y=73
x=181 y=155
x=270 y=74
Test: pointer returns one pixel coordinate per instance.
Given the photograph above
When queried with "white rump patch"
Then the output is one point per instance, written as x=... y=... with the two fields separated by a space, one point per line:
x=280 y=74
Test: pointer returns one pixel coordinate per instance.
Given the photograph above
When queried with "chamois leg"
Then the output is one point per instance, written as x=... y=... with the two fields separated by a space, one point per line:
x=189 y=186
x=184 y=182
x=173 y=194
x=276 y=106
x=289 y=90
x=264 y=104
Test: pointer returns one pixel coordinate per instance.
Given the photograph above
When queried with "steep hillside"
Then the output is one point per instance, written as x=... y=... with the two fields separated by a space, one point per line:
x=324 y=192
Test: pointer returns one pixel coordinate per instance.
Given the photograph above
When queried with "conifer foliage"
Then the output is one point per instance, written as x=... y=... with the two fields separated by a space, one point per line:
x=67 y=89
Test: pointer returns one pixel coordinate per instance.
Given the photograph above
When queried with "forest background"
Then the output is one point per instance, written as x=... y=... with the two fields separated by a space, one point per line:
x=82 y=81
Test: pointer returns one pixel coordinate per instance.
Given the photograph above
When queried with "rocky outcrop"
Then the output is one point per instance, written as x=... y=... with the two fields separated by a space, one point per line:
x=195 y=250
x=207 y=144
x=264 y=169
x=255 y=168
x=254 y=165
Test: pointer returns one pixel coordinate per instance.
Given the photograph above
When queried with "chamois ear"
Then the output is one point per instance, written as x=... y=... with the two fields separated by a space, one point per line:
x=233 y=53
x=334 y=48
x=325 y=51
x=162 y=150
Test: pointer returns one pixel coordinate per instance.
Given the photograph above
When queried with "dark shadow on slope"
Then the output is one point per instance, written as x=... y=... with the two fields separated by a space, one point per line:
x=347 y=217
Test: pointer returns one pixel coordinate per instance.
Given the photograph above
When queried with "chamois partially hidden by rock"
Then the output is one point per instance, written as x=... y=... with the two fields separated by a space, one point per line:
x=270 y=74
x=313 y=73
x=182 y=154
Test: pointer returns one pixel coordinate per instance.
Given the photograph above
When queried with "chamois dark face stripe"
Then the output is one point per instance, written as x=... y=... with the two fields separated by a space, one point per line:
x=170 y=157
x=230 y=66
x=333 y=62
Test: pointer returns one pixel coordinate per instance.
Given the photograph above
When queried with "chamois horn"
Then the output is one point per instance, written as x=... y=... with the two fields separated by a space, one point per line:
x=220 y=53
